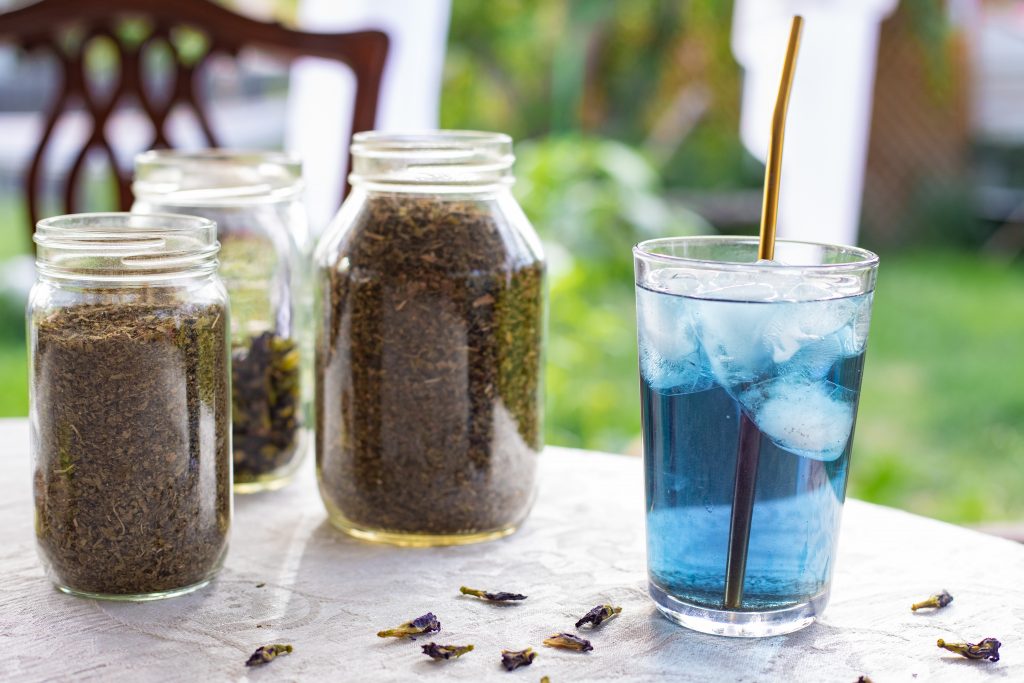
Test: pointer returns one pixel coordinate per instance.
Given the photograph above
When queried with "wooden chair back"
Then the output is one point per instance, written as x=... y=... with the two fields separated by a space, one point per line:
x=65 y=28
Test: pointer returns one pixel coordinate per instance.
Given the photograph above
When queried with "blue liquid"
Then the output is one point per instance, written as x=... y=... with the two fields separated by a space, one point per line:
x=798 y=380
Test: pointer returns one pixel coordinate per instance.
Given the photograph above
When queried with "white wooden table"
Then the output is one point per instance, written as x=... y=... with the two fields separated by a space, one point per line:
x=292 y=578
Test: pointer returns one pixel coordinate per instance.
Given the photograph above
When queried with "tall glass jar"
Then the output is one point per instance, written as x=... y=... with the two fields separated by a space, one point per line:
x=254 y=198
x=129 y=404
x=430 y=317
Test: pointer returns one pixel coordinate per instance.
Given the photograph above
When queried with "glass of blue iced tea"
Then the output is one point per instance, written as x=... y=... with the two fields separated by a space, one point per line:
x=750 y=373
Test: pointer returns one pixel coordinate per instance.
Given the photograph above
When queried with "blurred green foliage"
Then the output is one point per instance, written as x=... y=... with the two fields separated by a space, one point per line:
x=592 y=199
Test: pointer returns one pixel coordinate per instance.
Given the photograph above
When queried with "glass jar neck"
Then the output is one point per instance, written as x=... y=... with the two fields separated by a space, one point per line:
x=215 y=178
x=437 y=162
x=114 y=249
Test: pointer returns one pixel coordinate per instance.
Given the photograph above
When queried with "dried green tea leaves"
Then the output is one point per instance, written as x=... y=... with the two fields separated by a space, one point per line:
x=268 y=653
x=132 y=479
x=513 y=659
x=266 y=406
x=435 y=651
x=986 y=649
x=429 y=365
x=937 y=601
x=427 y=623
x=598 y=615
x=492 y=597
x=568 y=641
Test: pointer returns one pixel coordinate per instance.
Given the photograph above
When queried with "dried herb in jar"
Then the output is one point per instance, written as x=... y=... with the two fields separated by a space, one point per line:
x=265 y=402
x=132 y=486
x=428 y=365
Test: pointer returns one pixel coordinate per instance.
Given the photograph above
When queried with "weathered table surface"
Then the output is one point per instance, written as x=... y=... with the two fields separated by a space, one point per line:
x=292 y=578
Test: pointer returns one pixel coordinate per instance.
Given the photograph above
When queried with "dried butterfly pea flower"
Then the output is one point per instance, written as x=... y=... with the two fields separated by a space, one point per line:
x=864 y=679
x=986 y=649
x=435 y=651
x=428 y=623
x=513 y=659
x=937 y=601
x=569 y=642
x=267 y=653
x=492 y=597
x=598 y=615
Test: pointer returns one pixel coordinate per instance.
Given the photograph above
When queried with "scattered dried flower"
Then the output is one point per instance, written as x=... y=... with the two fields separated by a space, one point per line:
x=492 y=597
x=986 y=649
x=937 y=601
x=598 y=615
x=436 y=651
x=267 y=653
x=428 y=623
x=569 y=642
x=513 y=659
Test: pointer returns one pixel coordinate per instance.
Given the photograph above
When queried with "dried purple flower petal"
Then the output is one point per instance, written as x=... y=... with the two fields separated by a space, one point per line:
x=937 y=601
x=513 y=659
x=598 y=615
x=436 y=651
x=267 y=653
x=986 y=649
x=569 y=642
x=864 y=679
x=492 y=597
x=428 y=623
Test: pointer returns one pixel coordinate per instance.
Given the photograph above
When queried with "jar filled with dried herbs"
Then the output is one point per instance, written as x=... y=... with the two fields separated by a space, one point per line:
x=254 y=199
x=129 y=404
x=430 y=315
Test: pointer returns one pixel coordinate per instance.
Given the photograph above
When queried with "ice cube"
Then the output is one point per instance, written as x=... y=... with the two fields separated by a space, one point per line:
x=814 y=359
x=669 y=357
x=677 y=376
x=813 y=419
x=665 y=324
x=732 y=335
x=854 y=337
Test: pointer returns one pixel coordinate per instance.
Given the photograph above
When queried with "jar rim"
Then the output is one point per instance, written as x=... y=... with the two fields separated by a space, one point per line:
x=216 y=176
x=125 y=247
x=431 y=161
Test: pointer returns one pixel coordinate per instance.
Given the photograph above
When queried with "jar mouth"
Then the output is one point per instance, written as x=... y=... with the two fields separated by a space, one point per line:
x=439 y=161
x=216 y=177
x=125 y=247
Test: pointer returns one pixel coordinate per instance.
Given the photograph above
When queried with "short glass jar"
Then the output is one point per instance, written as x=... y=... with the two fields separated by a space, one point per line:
x=430 y=315
x=129 y=404
x=254 y=199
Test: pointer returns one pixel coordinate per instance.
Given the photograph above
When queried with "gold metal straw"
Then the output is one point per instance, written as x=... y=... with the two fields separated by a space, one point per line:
x=773 y=172
x=748 y=450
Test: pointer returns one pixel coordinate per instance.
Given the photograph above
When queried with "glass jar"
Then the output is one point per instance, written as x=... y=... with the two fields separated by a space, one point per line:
x=430 y=314
x=129 y=404
x=254 y=199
